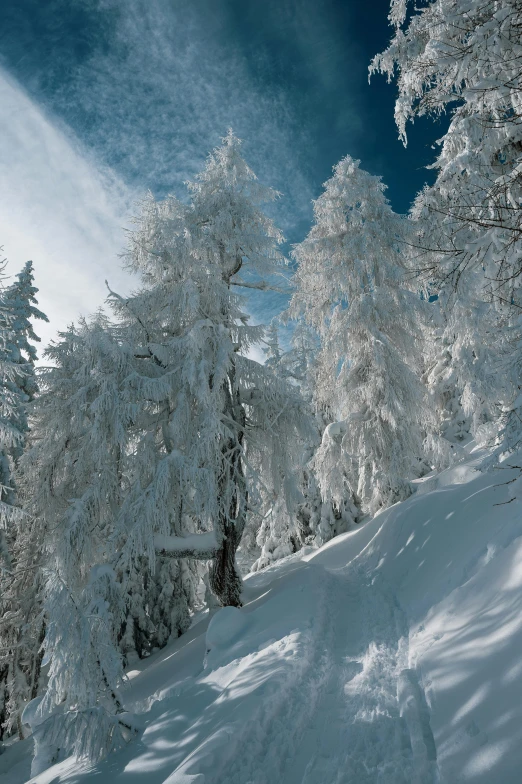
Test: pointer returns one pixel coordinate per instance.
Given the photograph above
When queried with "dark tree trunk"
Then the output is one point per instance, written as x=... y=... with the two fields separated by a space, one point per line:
x=225 y=580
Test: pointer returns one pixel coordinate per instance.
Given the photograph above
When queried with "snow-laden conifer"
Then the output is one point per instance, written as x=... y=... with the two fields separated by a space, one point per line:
x=351 y=289
x=441 y=376
x=21 y=630
x=224 y=420
x=272 y=350
x=76 y=474
x=158 y=436
x=463 y=57
x=312 y=520
x=22 y=305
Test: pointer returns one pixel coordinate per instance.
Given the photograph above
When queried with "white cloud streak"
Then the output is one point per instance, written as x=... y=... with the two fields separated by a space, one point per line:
x=61 y=209
x=150 y=102
x=58 y=209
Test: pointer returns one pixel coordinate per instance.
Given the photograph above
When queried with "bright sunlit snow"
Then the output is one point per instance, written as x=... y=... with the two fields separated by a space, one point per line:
x=385 y=656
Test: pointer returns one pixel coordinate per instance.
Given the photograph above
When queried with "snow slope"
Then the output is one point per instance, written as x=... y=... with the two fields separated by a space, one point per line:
x=390 y=655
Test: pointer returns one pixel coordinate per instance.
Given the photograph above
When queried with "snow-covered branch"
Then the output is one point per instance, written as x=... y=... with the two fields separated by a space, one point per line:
x=199 y=546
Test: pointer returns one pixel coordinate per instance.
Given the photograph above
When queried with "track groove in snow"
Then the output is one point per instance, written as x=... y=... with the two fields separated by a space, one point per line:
x=358 y=732
x=342 y=719
x=318 y=690
x=332 y=700
x=287 y=707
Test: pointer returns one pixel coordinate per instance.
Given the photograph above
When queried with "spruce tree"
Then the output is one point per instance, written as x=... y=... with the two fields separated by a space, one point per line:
x=21 y=631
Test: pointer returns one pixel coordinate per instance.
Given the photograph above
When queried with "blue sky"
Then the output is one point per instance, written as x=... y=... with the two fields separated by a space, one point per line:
x=108 y=98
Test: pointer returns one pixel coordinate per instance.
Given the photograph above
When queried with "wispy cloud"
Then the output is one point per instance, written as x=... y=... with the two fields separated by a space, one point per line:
x=58 y=209
x=158 y=82
x=169 y=83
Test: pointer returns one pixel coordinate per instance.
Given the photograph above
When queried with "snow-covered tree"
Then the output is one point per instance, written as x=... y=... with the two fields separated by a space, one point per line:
x=272 y=350
x=508 y=386
x=314 y=520
x=463 y=56
x=164 y=435
x=441 y=376
x=350 y=288
x=21 y=631
x=220 y=407
x=75 y=473
x=22 y=305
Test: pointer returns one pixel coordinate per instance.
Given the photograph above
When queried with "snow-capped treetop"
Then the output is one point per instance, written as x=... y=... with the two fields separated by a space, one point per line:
x=20 y=299
x=226 y=215
x=353 y=249
x=348 y=248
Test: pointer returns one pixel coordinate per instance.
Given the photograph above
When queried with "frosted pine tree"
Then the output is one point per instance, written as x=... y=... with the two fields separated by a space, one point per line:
x=75 y=470
x=319 y=520
x=350 y=288
x=313 y=521
x=282 y=531
x=12 y=437
x=272 y=350
x=441 y=377
x=20 y=300
x=157 y=437
x=258 y=527
x=190 y=261
x=463 y=57
x=21 y=632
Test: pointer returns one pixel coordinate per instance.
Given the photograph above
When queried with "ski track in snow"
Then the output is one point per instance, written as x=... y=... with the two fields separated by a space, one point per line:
x=356 y=715
x=331 y=699
x=364 y=729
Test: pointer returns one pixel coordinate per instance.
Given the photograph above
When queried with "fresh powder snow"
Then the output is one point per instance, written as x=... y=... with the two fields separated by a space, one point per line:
x=384 y=656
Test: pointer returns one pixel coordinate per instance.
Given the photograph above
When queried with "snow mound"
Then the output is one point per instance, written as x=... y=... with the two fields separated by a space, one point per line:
x=456 y=475
x=226 y=626
x=29 y=715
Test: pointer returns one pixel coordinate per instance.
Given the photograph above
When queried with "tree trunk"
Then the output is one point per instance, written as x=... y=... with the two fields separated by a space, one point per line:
x=37 y=663
x=225 y=580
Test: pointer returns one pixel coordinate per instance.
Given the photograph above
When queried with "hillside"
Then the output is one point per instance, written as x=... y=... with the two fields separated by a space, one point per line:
x=392 y=654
